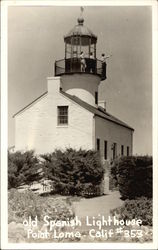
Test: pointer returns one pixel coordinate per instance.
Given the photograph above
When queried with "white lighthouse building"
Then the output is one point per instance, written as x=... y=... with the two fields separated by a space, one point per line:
x=69 y=113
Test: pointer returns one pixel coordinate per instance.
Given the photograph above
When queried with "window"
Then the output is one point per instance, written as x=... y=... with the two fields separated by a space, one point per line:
x=122 y=150
x=105 y=149
x=127 y=151
x=114 y=149
x=96 y=97
x=98 y=144
x=62 y=115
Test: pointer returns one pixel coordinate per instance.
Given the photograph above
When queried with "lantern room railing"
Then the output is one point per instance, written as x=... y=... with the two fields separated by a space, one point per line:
x=73 y=65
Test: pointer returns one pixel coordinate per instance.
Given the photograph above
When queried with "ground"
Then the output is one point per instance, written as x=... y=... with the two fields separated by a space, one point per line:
x=95 y=207
x=81 y=207
x=99 y=205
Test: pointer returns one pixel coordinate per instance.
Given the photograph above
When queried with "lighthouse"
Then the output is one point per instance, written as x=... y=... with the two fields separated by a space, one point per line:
x=69 y=113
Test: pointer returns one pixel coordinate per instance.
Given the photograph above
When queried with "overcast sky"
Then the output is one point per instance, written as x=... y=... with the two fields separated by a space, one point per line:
x=35 y=41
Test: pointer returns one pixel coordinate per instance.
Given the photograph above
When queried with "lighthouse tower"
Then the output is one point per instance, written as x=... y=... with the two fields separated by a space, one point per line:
x=68 y=114
x=80 y=70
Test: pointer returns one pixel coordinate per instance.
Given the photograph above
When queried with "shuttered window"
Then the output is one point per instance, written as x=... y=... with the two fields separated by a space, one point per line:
x=105 y=149
x=127 y=151
x=122 y=150
x=114 y=149
x=98 y=144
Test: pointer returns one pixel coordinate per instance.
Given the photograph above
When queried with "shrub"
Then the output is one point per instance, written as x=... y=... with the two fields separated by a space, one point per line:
x=72 y=170
x=23 y=205
x=114 y=174
x=22 y=168
x=141 y=208
x=88 y=190
x=133 y=175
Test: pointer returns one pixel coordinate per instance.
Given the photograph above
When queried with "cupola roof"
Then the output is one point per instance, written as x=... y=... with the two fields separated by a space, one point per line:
x=82 y=31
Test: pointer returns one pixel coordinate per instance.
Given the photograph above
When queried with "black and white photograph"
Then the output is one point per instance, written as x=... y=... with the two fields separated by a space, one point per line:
x=80 y=150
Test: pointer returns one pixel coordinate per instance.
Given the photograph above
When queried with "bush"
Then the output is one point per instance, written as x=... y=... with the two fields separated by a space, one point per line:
x=114 y=174
x=141 y=208
x=88 y=190
x=133 y=176
x=72 y=171
x=23 y=205
x=22 y=168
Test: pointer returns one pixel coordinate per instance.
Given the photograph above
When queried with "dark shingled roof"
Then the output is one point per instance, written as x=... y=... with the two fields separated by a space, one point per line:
x=96 y=111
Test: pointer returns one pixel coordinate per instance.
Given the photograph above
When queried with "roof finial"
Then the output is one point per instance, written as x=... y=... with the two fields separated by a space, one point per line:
x=81 y=19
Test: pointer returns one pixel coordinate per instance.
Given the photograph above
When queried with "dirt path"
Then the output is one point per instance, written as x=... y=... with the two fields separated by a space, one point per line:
x=98 y=205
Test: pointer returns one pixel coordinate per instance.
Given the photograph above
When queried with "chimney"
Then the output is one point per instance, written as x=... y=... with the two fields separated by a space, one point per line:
x=53 y=84
x=102 y=104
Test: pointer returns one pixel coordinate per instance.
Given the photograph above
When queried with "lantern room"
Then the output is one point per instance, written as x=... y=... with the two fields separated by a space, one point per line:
x=80 y=53
x=80 y=39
